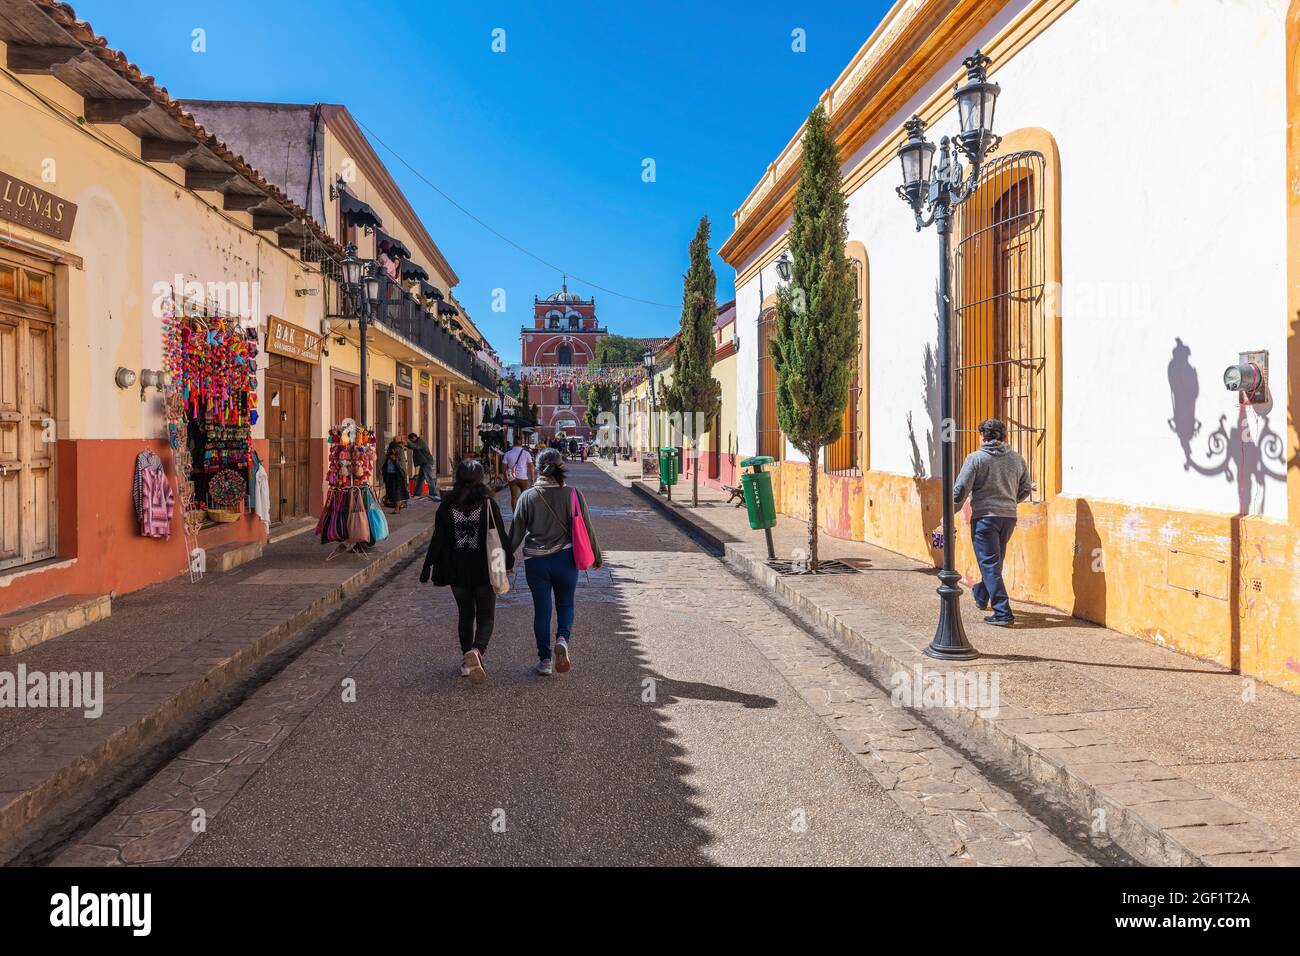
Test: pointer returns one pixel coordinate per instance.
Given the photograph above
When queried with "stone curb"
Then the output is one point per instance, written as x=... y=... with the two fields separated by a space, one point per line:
x=1149 y=811
x=146 y=708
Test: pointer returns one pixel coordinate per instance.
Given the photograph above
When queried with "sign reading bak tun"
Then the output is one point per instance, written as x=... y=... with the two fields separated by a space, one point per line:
x=29 y=206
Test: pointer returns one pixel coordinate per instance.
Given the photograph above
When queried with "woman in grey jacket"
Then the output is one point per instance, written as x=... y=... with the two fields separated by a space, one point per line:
x=542 y=524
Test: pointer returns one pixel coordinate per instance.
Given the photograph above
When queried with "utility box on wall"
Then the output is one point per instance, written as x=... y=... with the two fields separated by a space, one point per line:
x=1249 y=377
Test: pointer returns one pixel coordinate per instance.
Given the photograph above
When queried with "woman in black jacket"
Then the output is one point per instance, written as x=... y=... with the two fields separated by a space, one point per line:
x=458 y=556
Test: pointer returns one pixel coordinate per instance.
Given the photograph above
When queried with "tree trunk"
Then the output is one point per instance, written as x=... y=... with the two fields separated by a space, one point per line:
x=812 y=509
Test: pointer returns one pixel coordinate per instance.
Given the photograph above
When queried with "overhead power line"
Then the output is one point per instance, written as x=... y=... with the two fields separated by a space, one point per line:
x=504 y=238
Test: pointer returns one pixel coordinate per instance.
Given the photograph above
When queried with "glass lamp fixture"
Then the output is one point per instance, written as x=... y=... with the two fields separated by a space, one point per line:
x=352 y=267
x=783 y=265
x=976 y=100
x=916 y=156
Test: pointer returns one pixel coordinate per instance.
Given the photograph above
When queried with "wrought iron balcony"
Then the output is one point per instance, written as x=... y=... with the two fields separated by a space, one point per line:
x=401 y=313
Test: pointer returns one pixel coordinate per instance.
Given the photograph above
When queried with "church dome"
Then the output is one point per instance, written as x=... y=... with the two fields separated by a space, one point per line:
x=564 y=296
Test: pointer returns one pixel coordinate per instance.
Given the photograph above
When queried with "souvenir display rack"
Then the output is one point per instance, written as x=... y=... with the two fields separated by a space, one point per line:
x=351 y=517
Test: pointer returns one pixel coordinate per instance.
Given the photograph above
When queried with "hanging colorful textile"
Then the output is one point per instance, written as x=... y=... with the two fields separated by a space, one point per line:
x=347 y=516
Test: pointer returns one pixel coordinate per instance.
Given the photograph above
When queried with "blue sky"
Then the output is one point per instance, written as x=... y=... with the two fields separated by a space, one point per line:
x=545 y=142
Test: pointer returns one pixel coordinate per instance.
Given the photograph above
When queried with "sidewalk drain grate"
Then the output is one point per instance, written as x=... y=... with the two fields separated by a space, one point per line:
x=833 y=566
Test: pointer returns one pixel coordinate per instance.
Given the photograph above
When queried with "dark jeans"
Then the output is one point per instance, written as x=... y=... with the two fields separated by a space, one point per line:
x=426 y=479
x=477 y=608
x=990 y=536
x=553 y=575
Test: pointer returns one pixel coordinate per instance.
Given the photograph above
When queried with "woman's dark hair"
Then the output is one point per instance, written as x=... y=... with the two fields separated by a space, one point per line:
x=550 y=464
x=469 y=490
x=993 y=430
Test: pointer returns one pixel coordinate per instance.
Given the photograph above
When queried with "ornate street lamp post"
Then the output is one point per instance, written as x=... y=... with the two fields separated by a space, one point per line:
x=648 y=359
x=933 y=199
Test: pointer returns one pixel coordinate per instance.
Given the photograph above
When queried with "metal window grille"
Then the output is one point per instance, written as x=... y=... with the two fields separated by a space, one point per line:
x=999 y=289
x=769 y=432
x=841 y=456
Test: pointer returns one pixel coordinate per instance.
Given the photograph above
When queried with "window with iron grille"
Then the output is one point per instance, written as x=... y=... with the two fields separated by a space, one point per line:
x=769 y=432
x=1000 y=285
x=841 y=455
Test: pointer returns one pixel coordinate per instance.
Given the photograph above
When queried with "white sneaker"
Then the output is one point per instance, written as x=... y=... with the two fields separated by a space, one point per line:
x=472 y=667
x=562 y=659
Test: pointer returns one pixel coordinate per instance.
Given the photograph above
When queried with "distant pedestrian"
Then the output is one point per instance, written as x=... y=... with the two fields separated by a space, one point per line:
x=519 y=470
x=422 y=458
x=543 y=523
x=396 y=491
x=573 y=448
x=458 y=557
x=996 y=479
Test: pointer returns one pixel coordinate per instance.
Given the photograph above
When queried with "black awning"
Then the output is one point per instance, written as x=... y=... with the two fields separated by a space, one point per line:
x=429 y=291
x=446 y=308
x=410 y=270
x=396 y=248
x=357 y=213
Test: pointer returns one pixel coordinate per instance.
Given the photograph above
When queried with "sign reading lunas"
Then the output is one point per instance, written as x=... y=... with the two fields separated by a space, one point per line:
x=26 y=205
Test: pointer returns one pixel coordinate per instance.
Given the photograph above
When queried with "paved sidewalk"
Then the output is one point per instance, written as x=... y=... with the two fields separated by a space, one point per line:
x=166 y=651
x=1181 y=761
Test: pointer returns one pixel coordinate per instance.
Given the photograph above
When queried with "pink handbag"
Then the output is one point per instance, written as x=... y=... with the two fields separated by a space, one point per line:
x=583 y=554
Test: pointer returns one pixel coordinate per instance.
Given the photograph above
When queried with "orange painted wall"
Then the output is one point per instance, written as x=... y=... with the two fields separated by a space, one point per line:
x=1221 y=587
x=97 y=526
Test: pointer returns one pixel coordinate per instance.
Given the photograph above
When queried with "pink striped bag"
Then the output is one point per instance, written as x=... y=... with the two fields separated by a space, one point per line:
x=584 y=556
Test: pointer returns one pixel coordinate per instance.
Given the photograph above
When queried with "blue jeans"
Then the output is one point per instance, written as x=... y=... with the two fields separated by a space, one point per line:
x=426 y=478
x=990 y=536
x=552 y=575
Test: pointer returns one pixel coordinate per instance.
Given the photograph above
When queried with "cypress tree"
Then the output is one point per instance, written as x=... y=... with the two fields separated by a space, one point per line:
x=695 y=395
x=816 y=336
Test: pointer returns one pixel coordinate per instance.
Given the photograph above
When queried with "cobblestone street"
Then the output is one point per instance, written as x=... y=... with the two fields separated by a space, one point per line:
x=699 y=725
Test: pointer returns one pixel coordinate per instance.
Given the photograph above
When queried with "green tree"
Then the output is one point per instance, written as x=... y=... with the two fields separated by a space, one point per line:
x=815 y=338
x=599 y=398
x=695 y=395
x=618 y=350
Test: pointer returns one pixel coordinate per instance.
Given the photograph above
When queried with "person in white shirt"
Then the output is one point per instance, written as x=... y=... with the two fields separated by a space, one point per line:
x=519 y=469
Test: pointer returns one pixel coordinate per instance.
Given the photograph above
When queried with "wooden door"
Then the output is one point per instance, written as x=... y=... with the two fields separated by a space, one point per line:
x=288 y=429
x=345 y=402
x=27 y=415
x=403 y=416
x=422 y=426
x=383 y=424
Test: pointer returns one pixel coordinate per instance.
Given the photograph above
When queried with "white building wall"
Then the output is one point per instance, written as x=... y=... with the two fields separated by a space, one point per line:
x=1169 y=116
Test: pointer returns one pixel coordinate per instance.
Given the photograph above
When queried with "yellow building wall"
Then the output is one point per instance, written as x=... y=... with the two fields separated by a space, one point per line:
x=1220 y=587
x=136 y=230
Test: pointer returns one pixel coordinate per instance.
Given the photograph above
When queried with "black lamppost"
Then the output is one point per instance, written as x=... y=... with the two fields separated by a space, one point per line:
x=648 y=359
x=933 y=201
x=362 y=282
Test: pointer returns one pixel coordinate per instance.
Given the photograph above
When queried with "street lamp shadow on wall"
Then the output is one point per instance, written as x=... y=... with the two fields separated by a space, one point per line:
x=933 y=196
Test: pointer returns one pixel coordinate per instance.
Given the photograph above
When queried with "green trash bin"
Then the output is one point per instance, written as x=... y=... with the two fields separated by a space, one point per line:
x=669 y=466
x=760 y=503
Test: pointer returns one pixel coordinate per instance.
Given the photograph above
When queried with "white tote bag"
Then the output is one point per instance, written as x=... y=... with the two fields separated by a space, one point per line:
x=496 y=556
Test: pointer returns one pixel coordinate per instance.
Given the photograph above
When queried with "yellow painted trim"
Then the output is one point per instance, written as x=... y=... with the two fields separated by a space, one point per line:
x=750 y=233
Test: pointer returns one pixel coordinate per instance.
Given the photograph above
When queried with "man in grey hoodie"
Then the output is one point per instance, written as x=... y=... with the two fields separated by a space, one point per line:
x=996 y=479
